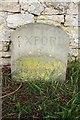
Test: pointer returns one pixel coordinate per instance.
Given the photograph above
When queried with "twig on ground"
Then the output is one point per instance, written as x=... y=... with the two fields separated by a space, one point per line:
x=11 y=92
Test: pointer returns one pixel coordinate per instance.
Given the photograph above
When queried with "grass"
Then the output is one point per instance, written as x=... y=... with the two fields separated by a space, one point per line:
x=45 y=100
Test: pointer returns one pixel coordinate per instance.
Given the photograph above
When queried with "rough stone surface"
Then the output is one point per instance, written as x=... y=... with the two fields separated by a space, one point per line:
x=5 y=46
x=6 y=61
x=53 y=19
x=50 y=11
x=35 y=7
x=61 y=7
x=0 y=61
x=73 y=52
x=0 y=46
x=10 y=6
x=17 y=20
x=73 y=44
x=3 y=16
x=6 y=54
x=72 y=32
x=0 y=54
x=71 y=20
x=4 y=34
x=73 y=8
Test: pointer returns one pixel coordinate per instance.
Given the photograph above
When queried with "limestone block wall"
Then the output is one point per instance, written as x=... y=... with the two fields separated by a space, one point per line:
x=16 y=13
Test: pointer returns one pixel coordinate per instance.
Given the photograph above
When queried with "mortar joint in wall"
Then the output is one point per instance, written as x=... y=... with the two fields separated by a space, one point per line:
x=64 y=18
x=35 y=18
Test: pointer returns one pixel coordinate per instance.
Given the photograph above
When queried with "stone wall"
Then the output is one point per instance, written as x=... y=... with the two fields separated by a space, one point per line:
x=16 y=13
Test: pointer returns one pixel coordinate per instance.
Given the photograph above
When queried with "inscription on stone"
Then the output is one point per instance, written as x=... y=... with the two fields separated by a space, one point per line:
x=39 y=47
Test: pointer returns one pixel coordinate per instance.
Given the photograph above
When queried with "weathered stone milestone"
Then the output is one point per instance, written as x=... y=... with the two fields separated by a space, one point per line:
x=38 y=50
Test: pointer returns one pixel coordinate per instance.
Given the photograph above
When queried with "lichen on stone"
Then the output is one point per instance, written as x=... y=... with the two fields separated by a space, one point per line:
x=37 y=67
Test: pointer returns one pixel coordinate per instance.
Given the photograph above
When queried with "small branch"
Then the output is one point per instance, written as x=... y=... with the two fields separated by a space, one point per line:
x=11 y=92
